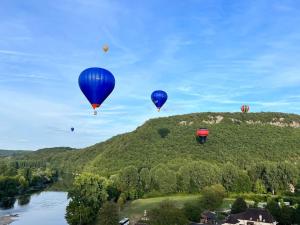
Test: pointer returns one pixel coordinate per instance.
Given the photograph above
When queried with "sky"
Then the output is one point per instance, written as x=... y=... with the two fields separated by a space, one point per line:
x=208 y=55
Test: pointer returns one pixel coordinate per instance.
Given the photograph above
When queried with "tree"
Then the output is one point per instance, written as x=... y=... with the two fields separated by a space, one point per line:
x=23 y=183
x=287 y=174
x=297 y=215
x=121 y=200
x=192 y=210
x=286 y=215
x=241 y=183
x=212 y=197
x=259 y=187
x=26 y=173
x=87 y=196
x=272 y=178
x=167 y=214
x=9 y=186
x=164 y=179
x=109 y=214
x=184 y=179
x=203 y=174
x=145 y=179
x=197 y=175
x=112 y=187
x=229 y=176
x=24 y=200
x=239 y=206
x=274 y=209
x=12 y=169
x=129 y=179
x=256 y=171
x=163 y=132
x=297 y=187
x=235 y=180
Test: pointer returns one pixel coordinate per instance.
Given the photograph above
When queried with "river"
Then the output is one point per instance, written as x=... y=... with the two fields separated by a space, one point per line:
x=44 y=208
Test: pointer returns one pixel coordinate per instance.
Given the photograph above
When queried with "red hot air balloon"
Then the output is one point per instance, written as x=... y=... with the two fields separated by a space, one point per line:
x=245 y=108
x=202 y=134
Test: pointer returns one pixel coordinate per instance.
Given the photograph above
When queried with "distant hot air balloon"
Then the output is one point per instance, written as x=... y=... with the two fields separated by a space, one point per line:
x=96 y=84
x=159 y=98
x=245 y=108
x=202 y=134
x=105 y=48
x=72 y=129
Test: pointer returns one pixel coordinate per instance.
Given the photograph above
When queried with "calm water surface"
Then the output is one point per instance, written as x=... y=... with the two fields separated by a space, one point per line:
x=45 y=208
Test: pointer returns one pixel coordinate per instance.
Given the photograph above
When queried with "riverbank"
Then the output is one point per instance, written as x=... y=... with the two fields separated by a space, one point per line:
x=5 y=220
x=44 y=208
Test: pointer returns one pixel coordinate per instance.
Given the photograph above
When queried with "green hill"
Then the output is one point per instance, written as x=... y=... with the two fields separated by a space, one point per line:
x=4 y=153
x=242 y=139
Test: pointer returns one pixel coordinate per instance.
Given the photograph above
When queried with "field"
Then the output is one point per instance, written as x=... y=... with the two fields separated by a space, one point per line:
x=135 y=209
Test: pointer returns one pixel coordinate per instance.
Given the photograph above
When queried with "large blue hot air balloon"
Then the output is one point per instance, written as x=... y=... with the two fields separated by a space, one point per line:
x=72 y=129
x=159 y=98
x=96 y=84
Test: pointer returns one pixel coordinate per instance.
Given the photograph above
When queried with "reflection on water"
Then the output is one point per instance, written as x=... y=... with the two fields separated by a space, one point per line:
x=47 y=208
x=7 y=203
x=24 y=200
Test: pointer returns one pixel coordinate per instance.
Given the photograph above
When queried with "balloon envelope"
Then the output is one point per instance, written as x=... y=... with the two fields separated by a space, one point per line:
x=245 y=108
x=72 y=129
x=202 y=134
x=96 y=84
x=159 y=98
x=105 y=48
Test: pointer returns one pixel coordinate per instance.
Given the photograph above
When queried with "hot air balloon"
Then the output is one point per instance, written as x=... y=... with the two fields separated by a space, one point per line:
x=105 y=48
x=72 y=129
x=159 y=98
x=96 y=84
x=245 y=108
x=202 y=134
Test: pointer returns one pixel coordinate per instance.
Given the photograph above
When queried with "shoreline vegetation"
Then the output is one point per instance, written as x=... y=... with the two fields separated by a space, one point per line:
x=19 y=183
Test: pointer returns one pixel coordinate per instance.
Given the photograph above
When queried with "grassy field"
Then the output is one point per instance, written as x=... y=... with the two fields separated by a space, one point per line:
x=135 y=209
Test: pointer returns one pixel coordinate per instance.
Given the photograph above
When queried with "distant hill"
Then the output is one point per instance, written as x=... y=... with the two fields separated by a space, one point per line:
x=12 y=152
x=242 y=139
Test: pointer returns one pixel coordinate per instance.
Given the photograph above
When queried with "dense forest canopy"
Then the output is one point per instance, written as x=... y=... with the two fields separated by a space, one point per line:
x=245 y=152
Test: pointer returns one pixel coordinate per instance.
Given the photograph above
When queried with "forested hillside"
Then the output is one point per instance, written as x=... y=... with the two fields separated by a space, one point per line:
x=12 y=152
x=242 y=139
x=257 y=152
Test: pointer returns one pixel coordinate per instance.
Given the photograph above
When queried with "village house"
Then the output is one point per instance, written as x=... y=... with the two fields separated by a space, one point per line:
x=251 y=217
x=208 y=217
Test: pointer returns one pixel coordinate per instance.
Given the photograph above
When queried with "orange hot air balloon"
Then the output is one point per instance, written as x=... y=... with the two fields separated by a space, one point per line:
x=105 y=48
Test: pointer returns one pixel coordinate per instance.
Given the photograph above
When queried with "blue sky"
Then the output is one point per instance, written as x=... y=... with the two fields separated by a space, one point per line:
x=209 y=55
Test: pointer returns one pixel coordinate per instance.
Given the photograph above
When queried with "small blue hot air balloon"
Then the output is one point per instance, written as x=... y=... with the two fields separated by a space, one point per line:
x=159 y=98
x=72 y=129
x=96 y=84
